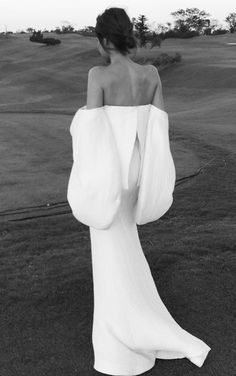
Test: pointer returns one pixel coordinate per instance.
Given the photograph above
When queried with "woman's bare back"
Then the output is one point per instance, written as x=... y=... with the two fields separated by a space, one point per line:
x=128 y=85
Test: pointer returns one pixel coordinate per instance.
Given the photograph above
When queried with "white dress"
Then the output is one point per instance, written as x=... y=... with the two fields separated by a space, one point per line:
x=123 y=175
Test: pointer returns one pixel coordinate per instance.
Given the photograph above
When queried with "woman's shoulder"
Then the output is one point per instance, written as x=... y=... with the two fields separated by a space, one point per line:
x=104 y=72
x=96 y=69
x=152 y=69
x=95 y=72
x=95 y=77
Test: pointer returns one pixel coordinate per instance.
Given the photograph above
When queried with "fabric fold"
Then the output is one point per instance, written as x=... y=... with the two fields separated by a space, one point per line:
x=94 y=187
x=103 y=140
x=158 y=175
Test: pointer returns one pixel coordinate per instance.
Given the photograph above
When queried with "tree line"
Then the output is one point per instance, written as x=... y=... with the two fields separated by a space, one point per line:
x=188 y=23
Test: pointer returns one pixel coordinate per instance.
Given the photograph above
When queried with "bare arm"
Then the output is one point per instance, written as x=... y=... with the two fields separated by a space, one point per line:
x=94 y=88
x=157 y=100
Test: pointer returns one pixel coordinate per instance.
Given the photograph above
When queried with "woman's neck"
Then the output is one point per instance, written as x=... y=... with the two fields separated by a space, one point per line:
x=116 y=58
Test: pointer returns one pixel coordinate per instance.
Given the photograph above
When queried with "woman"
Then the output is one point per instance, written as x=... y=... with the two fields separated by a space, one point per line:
x=125 y=114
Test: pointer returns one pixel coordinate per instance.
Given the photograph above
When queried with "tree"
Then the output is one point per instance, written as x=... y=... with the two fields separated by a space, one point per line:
x=155 y=39
x=57 y=30
x=214 y=24
x=89 y=28
x=191 y=19
x=141 y=29
x=220 y=31
x=37 y=36
x=160 y=28
x=29 y=30
x=67 y=29
x=231 y=20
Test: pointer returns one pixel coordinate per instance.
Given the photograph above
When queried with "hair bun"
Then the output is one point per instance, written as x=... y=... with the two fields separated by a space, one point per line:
x=115 y=25
x=129 y=40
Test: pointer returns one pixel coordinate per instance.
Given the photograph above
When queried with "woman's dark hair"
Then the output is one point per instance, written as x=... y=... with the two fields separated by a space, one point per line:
x=114 y=24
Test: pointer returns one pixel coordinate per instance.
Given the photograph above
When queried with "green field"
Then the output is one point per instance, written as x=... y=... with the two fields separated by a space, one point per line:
x=46 y=277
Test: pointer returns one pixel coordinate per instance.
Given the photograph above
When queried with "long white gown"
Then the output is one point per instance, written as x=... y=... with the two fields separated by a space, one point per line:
x=129 y=146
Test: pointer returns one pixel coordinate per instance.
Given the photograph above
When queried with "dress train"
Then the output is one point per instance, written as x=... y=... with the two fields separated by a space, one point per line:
x=131 y=325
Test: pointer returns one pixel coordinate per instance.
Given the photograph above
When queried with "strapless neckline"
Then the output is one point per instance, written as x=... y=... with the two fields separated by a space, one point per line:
x=122 y=107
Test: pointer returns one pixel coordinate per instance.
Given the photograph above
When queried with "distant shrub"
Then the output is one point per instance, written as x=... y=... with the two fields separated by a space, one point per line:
x=64 y=30
x=51 y=41
x=38 y=38
x=165 y=59
x=179 y=34
x=220 y=31
x=207 y=31
x=154 y=39
x=161 y=60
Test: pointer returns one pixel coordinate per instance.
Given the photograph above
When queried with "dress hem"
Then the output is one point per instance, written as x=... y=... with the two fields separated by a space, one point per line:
x=108 y=368
x=111 y=369
x=198 y=359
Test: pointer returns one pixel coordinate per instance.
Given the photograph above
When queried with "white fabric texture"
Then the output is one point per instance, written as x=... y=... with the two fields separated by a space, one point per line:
x=133 y=184
x=103 y=141
x=94 y=186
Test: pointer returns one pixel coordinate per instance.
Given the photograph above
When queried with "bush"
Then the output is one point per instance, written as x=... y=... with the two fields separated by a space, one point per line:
x=51 y=41
x=220 y=31
x=207 y=31
x=38 y=38
x=179 y=34
x=165 y=59
x=160 y=61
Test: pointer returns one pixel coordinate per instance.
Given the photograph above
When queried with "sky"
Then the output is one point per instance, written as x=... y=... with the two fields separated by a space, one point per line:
x=20 y=14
